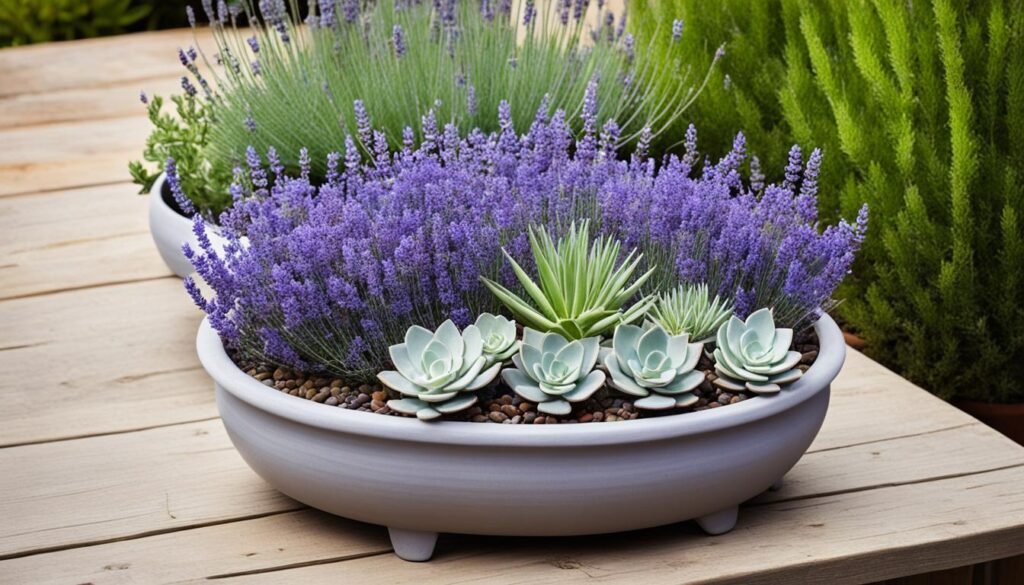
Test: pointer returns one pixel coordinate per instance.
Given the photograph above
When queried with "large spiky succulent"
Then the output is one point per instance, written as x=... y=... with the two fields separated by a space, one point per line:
x=754 y=355
x=690 y=310
x=554 y=371
x=582 y=285
x=440 y=371
x=657 y=367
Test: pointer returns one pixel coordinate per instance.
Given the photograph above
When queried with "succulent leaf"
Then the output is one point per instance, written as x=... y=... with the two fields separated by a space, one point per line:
x=554 y=371
x=650 y=363
x=754 y=355
x=690 y=310
x=438 y=370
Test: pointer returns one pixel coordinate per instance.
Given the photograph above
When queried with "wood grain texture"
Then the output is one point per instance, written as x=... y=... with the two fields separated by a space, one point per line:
x=281 y=540
x=92 y=63
x=75 y=239
x=100 y=360
x=121 y=486
x=855 y=538
x=118 y=100
x=164 y=478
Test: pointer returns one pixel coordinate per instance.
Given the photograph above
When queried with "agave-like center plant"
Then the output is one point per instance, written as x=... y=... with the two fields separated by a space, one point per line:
x=691 y=310
x=582 y=285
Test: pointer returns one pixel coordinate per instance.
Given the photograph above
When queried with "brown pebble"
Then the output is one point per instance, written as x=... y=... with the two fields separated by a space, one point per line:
x=379 y=395
x=261 y=376
x=474 y=411
x=331 y=401
x=361 y=399
x=588 y=417
x=365 y=389
x=280 y=374
x=309 y=393
x=713 y=405
x=525 y=406
x=321 y=396
x=268 y=383
x=335 y=392
x=509 y=410
x=809 y=356
x=540 y=420
x=479 y=418
x=384 y=410
x=516 y=419
x=735 y=399
x=306 y=384
x=506 y=399
x=377 y=404
x=494 y=407
x=611 y=418
x=498 y=416
x=598 y=416
x=529 y=417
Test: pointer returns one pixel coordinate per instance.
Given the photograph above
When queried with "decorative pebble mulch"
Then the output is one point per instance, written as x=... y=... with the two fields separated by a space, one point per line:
x=497 y=403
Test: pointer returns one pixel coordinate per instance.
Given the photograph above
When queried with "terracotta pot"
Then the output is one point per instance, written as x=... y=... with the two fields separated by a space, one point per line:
x=419 y=478
x=1008 y=419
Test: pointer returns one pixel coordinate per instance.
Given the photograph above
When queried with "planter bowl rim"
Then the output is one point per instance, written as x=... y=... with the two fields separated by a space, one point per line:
x=214 y=358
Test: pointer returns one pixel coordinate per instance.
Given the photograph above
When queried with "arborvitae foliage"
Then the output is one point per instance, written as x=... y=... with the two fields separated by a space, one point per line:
x=919 y=108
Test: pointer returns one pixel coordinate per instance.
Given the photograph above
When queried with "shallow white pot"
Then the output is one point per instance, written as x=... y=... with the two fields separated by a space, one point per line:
x=421 y=478
x=171 y=230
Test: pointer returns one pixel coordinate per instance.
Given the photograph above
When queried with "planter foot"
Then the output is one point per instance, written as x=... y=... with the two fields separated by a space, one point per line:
x=412 y=545
x=776 y=486
x=720 y=522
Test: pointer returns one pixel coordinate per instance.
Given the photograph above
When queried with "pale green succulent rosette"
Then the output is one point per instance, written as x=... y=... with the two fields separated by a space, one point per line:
x=754 y=355
x=654 y=366
x=499 y=337
x=554 y=372
x=440 y=371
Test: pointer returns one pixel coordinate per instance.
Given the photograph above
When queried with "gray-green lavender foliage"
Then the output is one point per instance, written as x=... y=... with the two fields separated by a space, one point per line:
x=356 y=70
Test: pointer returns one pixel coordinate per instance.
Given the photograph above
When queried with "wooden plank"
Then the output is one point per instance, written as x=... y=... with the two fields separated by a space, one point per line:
x=94 y=62
x=849 y=539
x=74 y=239
x=100 y=360
x=869 y=403
x=287 y=539
x=157 y=479
x=94 y=103
x=76 y=154
x=119 y=486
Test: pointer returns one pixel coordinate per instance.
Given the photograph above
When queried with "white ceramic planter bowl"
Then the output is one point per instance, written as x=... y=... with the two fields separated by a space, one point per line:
x=171 y=230
x=420 y=478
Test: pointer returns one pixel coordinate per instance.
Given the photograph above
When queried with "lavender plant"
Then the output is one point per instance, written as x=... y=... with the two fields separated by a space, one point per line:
x=327 y=277
x=291 y=86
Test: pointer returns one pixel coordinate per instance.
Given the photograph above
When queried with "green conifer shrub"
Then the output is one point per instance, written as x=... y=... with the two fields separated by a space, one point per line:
x=919 y=108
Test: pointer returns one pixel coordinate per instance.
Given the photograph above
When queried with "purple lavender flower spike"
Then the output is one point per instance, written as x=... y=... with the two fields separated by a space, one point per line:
x=333 y=274
x=471 y=100
x=677 y=30
x=529 y=10
x=187 y=86
x=192 y=54
x=191 y=16
x=143 y=97
x=254 y=44
x=174 y=184
x=793 y=168
x=255 y=65
x=326 y=13
x=398 y=40
x=629 y=45
x=350 y=10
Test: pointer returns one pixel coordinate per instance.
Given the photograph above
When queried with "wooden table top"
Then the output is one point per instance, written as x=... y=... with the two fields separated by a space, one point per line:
x=114 y=467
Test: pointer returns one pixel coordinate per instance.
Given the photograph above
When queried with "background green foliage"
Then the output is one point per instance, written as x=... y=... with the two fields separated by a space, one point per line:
x=38 y=21
x=919 y=108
